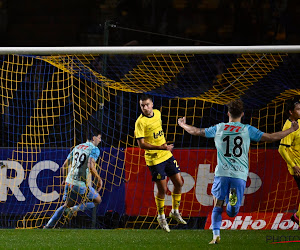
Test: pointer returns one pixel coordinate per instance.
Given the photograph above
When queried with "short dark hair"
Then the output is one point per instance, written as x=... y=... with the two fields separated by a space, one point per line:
x=145 y=97
x=236 y=108
x=92 y=132
x=291 y=104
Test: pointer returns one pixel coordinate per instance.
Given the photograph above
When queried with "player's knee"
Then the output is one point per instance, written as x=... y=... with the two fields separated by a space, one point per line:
x=181 y=182
x=178 y=184
x=177 y=181
x=218 y=210
x=161 y=190
x=219 y=203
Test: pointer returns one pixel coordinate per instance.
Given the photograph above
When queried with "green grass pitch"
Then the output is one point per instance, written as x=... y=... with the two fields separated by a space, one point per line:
x=142 y=239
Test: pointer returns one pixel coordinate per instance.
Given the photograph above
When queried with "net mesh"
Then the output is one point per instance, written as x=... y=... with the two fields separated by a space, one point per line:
x=48 y=103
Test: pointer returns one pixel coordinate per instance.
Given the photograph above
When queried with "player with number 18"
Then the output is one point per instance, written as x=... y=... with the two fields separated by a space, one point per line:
x=232 y=141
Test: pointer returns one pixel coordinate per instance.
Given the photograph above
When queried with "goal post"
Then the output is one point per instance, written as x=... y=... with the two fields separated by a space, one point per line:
x=50 y=97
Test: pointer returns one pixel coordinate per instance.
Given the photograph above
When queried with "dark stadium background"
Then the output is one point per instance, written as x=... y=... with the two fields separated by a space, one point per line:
x=200 y=22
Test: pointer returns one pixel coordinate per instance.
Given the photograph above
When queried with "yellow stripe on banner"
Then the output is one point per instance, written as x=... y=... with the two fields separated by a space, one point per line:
x=55 y=95
x=156 y=71
x=80 y=63
x=248 y=69
x=13 y=71
x=153 y=72
x=273 y=112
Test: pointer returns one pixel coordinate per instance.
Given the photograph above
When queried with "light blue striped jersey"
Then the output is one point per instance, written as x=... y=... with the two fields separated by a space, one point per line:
x=79 y=170
x=232 y=141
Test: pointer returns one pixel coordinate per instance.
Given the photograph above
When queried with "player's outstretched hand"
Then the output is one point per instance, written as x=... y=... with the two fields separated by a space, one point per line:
x=296 y=171
x=181 y=121
x=170 y=147
x=295 y=125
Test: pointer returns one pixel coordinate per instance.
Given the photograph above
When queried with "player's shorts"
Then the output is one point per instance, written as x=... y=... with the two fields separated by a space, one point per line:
x=297 y=179
x=222 y=185
x=167 y=168
x=76 y=193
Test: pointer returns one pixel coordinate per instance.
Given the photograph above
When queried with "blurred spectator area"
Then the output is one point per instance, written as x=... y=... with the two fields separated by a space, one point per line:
x=238 y=22
x=48 y=23
x=228 y=22
x=3 y=16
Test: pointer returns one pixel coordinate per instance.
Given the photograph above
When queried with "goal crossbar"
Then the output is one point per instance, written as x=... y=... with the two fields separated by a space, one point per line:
x=150 y=50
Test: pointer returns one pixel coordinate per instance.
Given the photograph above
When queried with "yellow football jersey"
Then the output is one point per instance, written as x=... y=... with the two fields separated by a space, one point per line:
x=150 y=128
x=292 y=145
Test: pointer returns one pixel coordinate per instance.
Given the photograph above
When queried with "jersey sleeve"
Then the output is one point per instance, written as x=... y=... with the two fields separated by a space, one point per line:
x=70 y=154
x=211 y=131
x=95 y=153
x=285 y=155
x=139 y=130
x=288 y=140
x=254 y=133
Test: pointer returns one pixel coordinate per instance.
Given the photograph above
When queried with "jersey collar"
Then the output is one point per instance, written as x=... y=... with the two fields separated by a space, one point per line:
x=148 y=116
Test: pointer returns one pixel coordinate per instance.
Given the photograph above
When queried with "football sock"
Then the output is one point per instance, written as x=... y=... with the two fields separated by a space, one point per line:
x=84 y=206
x=160 y=205
x=216 y=220
x=56 y=216
x=176 y=198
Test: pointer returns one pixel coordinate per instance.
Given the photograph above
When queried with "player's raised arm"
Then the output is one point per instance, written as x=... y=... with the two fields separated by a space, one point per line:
x=279 y=135
x=191 y=129
x=145 y=145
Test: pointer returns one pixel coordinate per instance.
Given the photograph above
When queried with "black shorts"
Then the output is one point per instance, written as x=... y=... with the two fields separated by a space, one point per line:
x=297 y=179
x=166 y=168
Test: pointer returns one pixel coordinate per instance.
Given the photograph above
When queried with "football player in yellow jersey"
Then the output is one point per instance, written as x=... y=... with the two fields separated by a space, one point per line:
x=159 y=159
x=290 y=146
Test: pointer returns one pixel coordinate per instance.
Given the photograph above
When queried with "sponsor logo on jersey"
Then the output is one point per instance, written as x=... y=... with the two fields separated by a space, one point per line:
x=158 y=134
